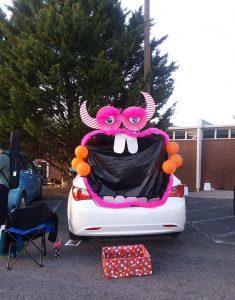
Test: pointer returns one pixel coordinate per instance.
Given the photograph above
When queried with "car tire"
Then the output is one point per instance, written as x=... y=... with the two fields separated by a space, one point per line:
x=22 y=202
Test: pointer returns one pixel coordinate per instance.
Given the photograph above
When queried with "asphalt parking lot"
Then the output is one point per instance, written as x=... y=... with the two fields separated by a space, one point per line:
x=199 y=264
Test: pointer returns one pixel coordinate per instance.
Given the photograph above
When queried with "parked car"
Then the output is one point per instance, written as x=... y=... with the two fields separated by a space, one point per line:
x=30 y=185
x=86 y=218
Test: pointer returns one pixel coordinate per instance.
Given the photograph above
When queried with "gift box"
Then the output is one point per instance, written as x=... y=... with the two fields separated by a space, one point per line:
x=126 y=261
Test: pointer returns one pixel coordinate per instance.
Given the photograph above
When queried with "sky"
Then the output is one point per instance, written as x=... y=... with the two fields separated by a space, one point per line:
x=201 y=39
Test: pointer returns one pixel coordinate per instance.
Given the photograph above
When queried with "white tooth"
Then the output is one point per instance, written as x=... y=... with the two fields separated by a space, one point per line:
x=108 y=198
x=132 y=144
x=119 y=199
x=131 y=199
x=119 y=143
x=142 y=199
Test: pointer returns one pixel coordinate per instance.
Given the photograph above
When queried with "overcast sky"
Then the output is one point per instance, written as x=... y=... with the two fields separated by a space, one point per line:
x=201 y=40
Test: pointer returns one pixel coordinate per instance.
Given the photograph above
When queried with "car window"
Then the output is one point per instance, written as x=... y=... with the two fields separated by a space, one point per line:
x=26 y=163
x=23 y=164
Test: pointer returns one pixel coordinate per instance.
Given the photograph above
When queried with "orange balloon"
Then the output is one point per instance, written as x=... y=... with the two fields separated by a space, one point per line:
x=81 y=151
x=76 y=161
x=172 y=148
x=177 y=159
x=83 y=169
x=169 y=167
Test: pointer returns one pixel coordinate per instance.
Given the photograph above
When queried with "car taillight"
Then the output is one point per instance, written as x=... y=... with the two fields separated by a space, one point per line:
x=177 y=191
x=80 y=194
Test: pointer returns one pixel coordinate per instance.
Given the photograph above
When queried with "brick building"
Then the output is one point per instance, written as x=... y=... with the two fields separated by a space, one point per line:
x=209 y=155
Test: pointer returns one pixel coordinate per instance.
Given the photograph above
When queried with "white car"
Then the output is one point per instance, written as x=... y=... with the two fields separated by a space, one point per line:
x=87 y=218
x=131 y=189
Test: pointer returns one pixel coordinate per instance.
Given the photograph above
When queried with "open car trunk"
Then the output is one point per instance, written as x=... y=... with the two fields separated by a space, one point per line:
x=124 y=175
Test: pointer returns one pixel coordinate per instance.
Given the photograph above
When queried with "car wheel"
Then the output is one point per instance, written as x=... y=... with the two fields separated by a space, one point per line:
x=22 y=202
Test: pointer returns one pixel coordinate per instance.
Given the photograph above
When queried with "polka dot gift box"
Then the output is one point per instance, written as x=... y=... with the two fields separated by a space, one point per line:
x=126 y=261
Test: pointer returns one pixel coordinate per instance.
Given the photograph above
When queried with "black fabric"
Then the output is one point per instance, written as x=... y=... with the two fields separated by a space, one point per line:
x=128 y=175
x=3 y=203
x=14 y=152
x=31 y=216
x=14 y=179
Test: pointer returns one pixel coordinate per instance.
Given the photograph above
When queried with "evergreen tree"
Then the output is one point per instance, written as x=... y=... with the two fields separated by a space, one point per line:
x=56 y=53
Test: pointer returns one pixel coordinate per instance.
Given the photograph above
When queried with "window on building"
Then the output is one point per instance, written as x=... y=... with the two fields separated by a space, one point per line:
x=170 y=133
x=208 y=133
x=192 y=134
x=232 y=133
x=180 y=134
x=222 y=133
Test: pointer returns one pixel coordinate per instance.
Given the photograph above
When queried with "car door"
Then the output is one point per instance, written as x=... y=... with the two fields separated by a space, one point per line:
x=25 y=179
x=34 y=177
x=28 y=177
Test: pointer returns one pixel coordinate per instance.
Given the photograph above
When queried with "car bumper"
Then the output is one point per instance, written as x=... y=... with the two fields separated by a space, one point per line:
x=85 y=218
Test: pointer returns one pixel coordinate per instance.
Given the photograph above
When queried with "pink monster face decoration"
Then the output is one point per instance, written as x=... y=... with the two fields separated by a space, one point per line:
x=108 y=118
x=134 y=118
x=126 y=161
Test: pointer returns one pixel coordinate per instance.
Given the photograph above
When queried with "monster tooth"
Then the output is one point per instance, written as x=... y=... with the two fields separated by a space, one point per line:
x=119 y=143
x=119 y=199
x=142 y=199
x=131 y=199
x=132 y=144
x=120 y=140
x=108 y=198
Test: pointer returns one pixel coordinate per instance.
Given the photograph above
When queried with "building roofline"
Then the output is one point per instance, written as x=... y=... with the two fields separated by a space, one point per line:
x=231 y=126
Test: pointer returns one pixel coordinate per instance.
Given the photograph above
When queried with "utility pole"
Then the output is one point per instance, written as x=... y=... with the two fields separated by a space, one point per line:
x=146 y=46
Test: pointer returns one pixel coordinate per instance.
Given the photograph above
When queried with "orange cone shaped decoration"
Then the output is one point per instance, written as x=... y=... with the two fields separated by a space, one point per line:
x=83 y=169
x=177 y=159
x=81 y=152
x=169 y=167
x=76 y=161
x=172 y=148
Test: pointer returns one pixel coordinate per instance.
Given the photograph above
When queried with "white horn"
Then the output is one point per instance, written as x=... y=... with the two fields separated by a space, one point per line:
x=150 y=105
x=86 y=118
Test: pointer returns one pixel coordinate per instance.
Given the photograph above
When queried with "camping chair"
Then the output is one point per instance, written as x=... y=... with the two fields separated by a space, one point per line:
x=16 y=236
